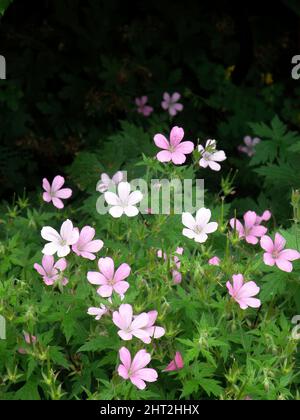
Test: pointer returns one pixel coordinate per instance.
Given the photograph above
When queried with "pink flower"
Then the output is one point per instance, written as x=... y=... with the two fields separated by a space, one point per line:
x=108 y=279
x=30 y=340
x=251 y=231
x=265 y=217
x=98 y=312
x=276 y=254
x=243 y=293
x=50 y=271
x=55 y=192
x=85 y=246
x=249 y=145
x=175 y=364
x=131 y=326
x=175 y=150
x=60 y=242
x=135 y=370
x=107 y=183
x=171 y=104
x=214 y=261
x=142 y=108
x=177 y=277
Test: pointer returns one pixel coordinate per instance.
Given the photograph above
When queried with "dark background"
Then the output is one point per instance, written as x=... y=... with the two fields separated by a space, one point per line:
x=74 y=68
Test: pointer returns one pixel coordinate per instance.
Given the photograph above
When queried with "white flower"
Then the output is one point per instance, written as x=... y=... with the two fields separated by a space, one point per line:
x=106 y=182
x=199 y=227
x=124 y=201
x=98 y=312
x=60 y=242
x=210 y=155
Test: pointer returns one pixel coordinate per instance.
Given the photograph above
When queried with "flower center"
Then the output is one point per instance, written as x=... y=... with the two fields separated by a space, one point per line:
x=198 y=229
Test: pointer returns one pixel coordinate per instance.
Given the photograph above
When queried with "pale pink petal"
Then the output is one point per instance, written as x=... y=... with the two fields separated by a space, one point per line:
x=50 y=249
x=250 y=219
x=267 y=244
x=124 y=191
x=252 y=302
x=39 y=269
x=188 y=233
x=105 y=291
x=107 y=267
x=284 y=265
x=185 y=147
x=122 y=272
x=289 y=254
x=121 y=287
x=176 y=135
x=64 y=193
x=57 y=203
x=218 y=156
x=139 y=383
x=46 y=186
x=164 y=156
x=131 y=211
x=141 y=359
x=125 y=357
x=47 y=197
x=96 y=278
x=161 y=141
x=123 y=372
x=57 y=183
x=210 y=227
x=279 y=242
x=203 y=216
x=134 y=198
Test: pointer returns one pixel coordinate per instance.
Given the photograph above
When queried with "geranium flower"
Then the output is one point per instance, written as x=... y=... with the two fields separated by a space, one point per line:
x=135 y=370
x=265 y=217
x=107 y=183
x=124 y=201
x=276 y=254
x=108 y=279
x=50 y=270
x=249 y=145
x=142 y=107
x=98 y=312
x=251 y=231
x=131 y=326
x=60 y=242
x=243 y=293
x=177 y=277
x=55 y=192
x=210 y=155
x=170 y=103
x=175 y=364
x=85 y=246
x=175 y=150
x=30 y=340
x=214 y=261
x=199 y=227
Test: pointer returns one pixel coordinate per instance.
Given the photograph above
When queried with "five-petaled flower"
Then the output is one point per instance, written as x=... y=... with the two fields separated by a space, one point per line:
x=109 y=280
x=135 y=369
x=86 y=246
x=55 y=192
x=243 y=293
x=123 y=202
x=60 y=242
x=174 y=150
x=251 y=230
x=276 y=254
x=142 y=107
x=210 y=156
x=50 y=270
x=198 y=227
x=170 y=103
x=129 y=325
